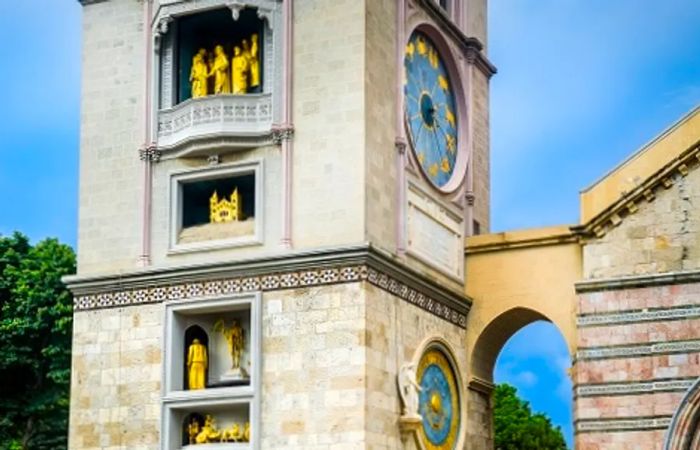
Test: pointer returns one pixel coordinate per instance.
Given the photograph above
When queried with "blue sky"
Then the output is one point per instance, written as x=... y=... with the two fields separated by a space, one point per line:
x=581 y=85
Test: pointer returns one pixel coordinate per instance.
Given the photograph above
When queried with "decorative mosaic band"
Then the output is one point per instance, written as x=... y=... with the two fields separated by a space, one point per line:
x=271 y=282
x=626 y=424
x=632 y=388
x=626 y=351
x=653 y=315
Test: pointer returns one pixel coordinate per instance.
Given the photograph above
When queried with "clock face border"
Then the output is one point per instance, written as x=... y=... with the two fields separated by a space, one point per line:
x=440 y=398
x=447 y=65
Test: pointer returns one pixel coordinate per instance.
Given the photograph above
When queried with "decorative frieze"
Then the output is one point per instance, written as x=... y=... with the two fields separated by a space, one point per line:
x=625 y=424
x=652 y=315
x=628 y=351
x=634 y=388
x=348 y=265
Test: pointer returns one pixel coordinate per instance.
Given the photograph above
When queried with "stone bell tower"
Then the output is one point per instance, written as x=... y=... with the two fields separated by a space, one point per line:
x=274 y=196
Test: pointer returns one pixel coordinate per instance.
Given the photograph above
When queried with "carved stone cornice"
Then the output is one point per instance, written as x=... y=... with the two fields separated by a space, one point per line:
x=470 y=46
x=90 y=2
x=628 y=203
x=292 y=270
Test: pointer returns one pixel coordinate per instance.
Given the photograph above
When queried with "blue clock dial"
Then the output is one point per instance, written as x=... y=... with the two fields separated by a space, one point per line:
x=439 y=405
x=430 y=110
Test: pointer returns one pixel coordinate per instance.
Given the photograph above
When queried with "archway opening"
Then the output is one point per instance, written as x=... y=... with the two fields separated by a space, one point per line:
x=536 y=361
x=523 y=348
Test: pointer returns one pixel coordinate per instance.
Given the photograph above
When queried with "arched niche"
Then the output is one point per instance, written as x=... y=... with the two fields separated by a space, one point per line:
x=191 y=333
x=684 y=431
x=188 y=419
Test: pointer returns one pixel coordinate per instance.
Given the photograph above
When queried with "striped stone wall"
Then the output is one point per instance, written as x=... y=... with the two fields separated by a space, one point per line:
x=638 y=355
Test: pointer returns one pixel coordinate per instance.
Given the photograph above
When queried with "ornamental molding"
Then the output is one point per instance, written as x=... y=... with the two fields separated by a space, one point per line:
x=637 y=316
x=150 y=153
x=645 y=192
x=634 y=388
x=638 y=281
x=638 y=350
x=272 y=273
x=622 y=424
x=471 y=47
x=282 y=133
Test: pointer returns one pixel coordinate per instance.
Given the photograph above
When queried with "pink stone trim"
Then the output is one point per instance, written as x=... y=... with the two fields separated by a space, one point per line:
x=287 y=120
x=145 y=257
x=401 y=143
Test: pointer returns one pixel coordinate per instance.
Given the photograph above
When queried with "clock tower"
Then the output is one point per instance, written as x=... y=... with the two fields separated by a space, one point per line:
x=274 y=200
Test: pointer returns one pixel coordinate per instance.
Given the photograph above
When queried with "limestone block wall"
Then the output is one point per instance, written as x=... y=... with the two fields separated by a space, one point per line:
x=395 y=330
x=329 y=140
x=313 y=393
x=481 y=159
x=111 y=133
x=381 y=196
x=636 y=359
x=116 y=379
x=661 y=237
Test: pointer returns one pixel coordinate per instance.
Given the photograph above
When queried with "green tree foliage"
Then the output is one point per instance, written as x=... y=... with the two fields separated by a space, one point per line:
x=35 y=342
x=517 y=428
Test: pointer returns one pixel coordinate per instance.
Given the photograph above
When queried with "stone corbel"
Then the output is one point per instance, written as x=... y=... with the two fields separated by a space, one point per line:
x=159 y=30
x=282 y=133
x=400 y=145
x=236 y=7
x=469 y=197
x=150 y=153
x=266 y=15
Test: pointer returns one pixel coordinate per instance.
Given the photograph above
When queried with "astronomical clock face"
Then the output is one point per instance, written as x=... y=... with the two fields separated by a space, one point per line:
x=439 y=404
x=431 y=116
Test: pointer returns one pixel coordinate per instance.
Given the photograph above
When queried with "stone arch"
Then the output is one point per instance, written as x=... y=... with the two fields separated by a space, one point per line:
x=494 y=336
x=684 y=431
x=514 y=279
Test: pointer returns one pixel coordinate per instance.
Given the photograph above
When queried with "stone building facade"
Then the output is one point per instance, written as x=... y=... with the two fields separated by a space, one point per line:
x=348 y=271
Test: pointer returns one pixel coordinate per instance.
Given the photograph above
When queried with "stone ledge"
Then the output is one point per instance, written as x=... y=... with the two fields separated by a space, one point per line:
x=275 y=272
x=638 y=281
x=622 y=424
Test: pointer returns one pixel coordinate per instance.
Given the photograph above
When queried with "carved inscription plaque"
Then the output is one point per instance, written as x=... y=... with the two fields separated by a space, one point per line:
x=434 y=234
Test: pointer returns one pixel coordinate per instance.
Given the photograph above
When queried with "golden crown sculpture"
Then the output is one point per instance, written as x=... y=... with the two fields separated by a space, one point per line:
x=221 y=211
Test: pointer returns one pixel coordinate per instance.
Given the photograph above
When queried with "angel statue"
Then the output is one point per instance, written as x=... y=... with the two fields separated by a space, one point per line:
x=235 y=339
x=409 y=389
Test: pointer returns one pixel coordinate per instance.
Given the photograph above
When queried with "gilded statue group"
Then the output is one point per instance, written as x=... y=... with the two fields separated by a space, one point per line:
x=208 y=433
x=197 y=359
x=240 y=75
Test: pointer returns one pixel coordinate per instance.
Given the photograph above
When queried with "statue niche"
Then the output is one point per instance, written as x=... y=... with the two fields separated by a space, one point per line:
x=198 y=429
x=218 y=209
x=218 y=55
x=196 y=358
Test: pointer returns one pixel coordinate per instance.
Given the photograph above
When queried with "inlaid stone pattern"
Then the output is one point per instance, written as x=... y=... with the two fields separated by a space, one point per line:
x=271 y=282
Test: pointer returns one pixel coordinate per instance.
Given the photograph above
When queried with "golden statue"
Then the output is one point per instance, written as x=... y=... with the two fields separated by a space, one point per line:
x=219 y=71
x=233 y=434
x=246 y=432
x=199 y=75
x=254 y=61
x=197 y=364
x=236 y=342
x=225 y=210
x=193 y=430
x=209 y=432
x=239 y=69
